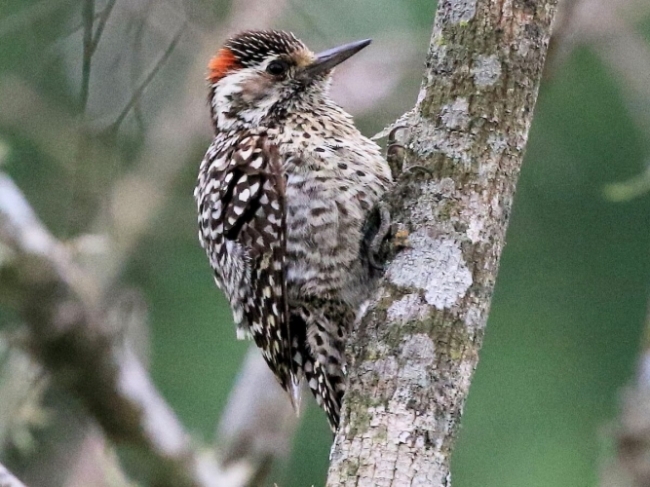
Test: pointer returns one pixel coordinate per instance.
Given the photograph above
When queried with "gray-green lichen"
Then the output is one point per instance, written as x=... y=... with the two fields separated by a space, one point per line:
x=456 y=114
x=486 y=70
x=433 y=265
x=410 y=307
x=461 y=11
x=453 y=143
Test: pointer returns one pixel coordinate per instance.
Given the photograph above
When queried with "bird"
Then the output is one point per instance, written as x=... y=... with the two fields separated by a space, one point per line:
x=282 y=195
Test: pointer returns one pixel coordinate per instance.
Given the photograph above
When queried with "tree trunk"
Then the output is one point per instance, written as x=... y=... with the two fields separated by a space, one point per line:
x=413 y=354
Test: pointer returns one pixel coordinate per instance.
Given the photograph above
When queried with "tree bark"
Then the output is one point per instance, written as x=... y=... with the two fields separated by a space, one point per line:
x=414 y=351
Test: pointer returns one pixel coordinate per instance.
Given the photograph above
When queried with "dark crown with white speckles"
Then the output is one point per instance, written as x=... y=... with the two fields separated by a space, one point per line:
x=252 y=47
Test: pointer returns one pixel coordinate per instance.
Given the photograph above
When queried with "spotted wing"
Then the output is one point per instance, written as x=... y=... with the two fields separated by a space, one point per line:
x=248 y=213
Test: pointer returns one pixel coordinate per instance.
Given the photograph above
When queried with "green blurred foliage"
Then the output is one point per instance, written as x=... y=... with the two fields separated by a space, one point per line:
x=572 y=291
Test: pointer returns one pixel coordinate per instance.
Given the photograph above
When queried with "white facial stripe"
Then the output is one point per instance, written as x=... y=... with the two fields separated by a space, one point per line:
x=229 y=91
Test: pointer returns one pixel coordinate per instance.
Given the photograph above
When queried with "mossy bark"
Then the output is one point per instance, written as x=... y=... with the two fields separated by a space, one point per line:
x=413 y=354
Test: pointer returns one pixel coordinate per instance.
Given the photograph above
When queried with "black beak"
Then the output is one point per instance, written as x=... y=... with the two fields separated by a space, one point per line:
x=326 y=60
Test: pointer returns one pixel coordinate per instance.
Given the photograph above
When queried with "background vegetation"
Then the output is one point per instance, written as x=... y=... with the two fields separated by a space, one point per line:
x=571 y=299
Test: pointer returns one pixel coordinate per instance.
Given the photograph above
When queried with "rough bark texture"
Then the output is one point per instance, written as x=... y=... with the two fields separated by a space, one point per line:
x=415 y=349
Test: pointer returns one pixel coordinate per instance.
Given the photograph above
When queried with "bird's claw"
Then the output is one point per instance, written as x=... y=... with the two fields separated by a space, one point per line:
x=387 y=240
x=384 y=229
x=409 y=170
x=400 y=238
x=392 y=135
x=395 y=151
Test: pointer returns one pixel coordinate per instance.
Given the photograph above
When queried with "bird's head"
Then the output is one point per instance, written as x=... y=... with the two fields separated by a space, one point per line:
x=262 y=74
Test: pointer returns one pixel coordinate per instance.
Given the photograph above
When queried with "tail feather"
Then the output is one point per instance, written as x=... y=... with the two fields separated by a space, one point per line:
x=328 y=390
x=295 y=395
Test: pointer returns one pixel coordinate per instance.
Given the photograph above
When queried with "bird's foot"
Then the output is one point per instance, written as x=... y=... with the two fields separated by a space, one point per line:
x=381 y=233
x=413 y=169
x=382 y=237
x=396 y=155
x=395 y=151
x=400 y=239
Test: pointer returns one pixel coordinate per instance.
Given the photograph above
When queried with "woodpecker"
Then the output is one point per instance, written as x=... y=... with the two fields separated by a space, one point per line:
x=282 y=194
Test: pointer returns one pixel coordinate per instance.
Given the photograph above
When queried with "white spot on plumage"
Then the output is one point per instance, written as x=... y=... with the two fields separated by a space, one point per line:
x=257 y=162
x=245 y=153
x=321 y=253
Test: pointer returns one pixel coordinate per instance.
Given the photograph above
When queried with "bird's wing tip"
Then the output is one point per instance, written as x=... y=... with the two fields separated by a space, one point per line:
x=295 y=393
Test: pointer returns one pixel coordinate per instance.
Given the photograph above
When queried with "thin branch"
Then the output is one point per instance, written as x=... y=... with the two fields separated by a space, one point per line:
x=135 y=66
x=634 y=187
x=88 y=18
x=76 y=28
x=7 y=479
x=137 y=93
x=258 y=423
x=630 y=467
x=68 y=338
x=75 y=325
x=103 y=18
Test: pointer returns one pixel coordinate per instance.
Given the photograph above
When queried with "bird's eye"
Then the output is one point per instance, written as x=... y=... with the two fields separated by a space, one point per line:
x=277 y=67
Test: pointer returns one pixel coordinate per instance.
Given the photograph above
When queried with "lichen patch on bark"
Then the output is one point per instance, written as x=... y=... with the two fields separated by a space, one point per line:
x=475 y=318
x=453 y=143
x=486 y=70
x=418 y=353
x=442 y=191
x=462 y=11
x=434 y=265
x=476 y=213
x=456 y=115
x=410 y=307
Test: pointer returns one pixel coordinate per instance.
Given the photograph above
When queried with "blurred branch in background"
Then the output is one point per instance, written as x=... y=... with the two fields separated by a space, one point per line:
x=627 y=190
x=69 y=307
x=68 y=337
x=256 y=427
x=608 y=28
x=139 y=90
x=630 y=465
x=7 y=479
